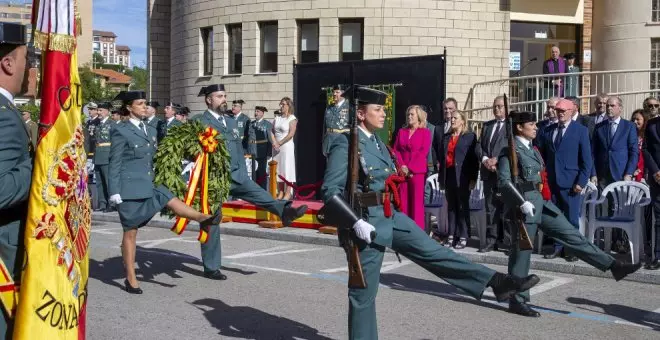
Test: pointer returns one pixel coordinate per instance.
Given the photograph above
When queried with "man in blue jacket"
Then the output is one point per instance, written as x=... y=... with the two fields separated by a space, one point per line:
x=615 y=147
x=567 y=152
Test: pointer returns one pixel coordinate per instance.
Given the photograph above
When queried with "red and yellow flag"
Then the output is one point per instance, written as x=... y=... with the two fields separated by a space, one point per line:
x=53 y=288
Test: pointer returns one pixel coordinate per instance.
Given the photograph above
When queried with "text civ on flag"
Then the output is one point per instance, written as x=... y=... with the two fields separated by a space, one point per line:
x=53 y=289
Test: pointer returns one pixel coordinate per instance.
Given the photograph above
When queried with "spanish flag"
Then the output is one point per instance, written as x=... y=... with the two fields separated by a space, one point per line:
x=53 y=288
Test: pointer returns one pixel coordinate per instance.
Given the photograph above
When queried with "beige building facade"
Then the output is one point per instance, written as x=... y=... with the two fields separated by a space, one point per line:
x=250 y=45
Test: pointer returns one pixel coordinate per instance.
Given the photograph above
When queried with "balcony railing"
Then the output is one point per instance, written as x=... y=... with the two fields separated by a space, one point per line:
x=530 y=93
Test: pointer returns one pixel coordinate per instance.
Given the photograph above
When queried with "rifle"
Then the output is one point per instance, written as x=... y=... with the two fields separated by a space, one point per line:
x=524 y=242
x=337 y=212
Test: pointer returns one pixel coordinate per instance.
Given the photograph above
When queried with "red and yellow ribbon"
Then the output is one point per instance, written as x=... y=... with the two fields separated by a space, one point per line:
x=199 y=178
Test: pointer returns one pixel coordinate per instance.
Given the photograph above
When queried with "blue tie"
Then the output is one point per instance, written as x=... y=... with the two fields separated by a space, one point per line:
x=560 y=129
x=612 y=129
x=373 y=139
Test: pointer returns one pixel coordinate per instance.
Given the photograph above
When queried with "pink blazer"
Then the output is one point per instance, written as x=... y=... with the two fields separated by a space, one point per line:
x=412 y=151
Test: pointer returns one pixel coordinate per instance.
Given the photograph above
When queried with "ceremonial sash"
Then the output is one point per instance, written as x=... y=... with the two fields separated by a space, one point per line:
x=199 y=179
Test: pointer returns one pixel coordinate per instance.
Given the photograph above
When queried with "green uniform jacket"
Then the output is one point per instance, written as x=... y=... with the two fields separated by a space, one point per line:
x=102 y=135
x=131 y=169
x=233 y=142
x=377 y=166
x=260 y=131
x=530 y=165
x=15 y=181
x=242 y=122
x=337 y=118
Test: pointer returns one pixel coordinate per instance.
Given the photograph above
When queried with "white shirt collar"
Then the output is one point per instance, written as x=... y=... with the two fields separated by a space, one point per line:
x=338 y=104
x=169 y=120
x=616 y=121
x=215 y=115
x=104 y=120
x=135 y=122
x=7 y=95
x=150 y=119
x=365 y=131
x=567 y=123
x=526 y=142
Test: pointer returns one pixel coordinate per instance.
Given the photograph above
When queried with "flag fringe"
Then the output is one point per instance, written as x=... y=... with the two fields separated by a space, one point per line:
x=54 y=42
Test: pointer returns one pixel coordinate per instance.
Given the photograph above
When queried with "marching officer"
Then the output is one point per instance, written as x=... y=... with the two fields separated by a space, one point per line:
x=15 y=165
x=102 y=155
x=242 y=186
x=260 y=145
x=336 y=118
x=131 y=181
x=541 y=214
x=152 y=120
x=407 y=238
x=242 y=121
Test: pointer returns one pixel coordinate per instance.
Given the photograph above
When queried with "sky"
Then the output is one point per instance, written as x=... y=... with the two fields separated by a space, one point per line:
x=128 y=20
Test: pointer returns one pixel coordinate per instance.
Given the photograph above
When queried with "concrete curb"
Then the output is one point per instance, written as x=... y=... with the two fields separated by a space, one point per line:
x=310 y=236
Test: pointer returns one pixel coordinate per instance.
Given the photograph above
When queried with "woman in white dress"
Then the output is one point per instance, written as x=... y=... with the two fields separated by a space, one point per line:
x=284 y=129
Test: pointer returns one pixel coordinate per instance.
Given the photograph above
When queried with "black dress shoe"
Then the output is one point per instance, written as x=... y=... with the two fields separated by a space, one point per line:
x=490 y=246
x=653 y=265
x=109 y=209
x=521 y=308
x=215 y=275
x=213 y=220
x=504 y=286
x=554 y=254
x=291 y=214
x=99 y=209
x=622 y=269
x=571 y=258
x=130 y=289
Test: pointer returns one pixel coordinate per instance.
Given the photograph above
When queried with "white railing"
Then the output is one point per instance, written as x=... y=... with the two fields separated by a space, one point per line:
x=632 y=100
x=539 y=87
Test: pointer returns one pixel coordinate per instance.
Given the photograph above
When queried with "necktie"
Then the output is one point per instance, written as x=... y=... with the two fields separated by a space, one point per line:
x=222 y=120
x=612 y=129
x=143 y=129
x=560 y=135
x=493 y=138
x=373 y=139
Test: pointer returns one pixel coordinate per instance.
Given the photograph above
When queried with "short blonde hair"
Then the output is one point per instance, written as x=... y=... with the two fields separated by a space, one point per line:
x=421 y=114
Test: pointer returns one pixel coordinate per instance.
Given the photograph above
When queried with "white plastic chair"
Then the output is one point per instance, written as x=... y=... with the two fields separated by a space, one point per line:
x=435 y=204
x=627 y=197
x=589 y=193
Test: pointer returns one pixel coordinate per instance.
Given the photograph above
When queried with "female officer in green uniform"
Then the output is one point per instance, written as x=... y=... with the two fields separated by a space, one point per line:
x=131 y=185
x=541 y=214
x=397 y=231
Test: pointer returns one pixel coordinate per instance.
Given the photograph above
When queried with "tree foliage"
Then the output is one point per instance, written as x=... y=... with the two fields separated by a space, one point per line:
x=139 y=76
x=92 y=91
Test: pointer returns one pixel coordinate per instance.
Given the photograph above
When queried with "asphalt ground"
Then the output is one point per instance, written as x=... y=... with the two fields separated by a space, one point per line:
x=287 y=290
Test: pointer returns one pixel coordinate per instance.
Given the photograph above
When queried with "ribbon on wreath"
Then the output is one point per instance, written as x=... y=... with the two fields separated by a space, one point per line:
x=199 y=179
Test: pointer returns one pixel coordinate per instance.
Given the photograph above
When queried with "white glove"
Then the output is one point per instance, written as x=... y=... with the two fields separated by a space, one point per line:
x=116 y=199
x=527 y=208
x=363 y=230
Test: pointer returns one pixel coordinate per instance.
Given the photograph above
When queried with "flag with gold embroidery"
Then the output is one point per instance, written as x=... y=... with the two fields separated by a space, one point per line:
x=53 y=288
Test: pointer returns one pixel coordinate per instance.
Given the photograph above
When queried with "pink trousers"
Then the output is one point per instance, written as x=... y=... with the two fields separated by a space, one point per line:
x=412 y=199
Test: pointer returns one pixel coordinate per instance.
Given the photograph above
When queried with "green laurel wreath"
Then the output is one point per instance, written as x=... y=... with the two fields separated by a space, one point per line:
x=182 y=143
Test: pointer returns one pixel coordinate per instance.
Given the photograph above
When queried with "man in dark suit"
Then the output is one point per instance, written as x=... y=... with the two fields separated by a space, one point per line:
x=600 y=109
x=491 y=143
x=651 y=107
x=567 y=152
x=651 y=149
x=550 y=117
x=585 y=120
x=615 y=147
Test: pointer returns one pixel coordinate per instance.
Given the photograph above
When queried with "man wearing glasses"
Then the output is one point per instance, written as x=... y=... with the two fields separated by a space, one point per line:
x=651 y=107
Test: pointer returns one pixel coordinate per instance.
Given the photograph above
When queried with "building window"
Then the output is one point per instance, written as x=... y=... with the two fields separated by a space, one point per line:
x=235 y=50
x=207 y=50
x=655 y=11
x=308 y=41
x=268 y=60
x=351 y=33
x=655 y=63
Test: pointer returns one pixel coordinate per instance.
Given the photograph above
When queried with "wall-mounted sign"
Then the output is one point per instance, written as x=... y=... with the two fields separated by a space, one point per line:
x=540 y=35
x=587 y=56
x=514 y=61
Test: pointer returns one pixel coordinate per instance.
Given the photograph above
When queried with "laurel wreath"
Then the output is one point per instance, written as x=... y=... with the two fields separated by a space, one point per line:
x=182 y=143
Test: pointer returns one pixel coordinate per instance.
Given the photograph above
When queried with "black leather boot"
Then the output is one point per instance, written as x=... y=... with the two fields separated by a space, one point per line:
x=504 y=286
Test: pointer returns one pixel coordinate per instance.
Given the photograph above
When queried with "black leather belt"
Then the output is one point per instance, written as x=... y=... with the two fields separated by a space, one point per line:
x=528 y=186
x=369 y=199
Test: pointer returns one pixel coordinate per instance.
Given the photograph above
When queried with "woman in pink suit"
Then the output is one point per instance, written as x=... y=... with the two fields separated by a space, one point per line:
x=412 y=145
